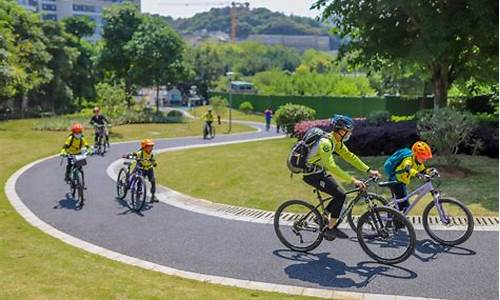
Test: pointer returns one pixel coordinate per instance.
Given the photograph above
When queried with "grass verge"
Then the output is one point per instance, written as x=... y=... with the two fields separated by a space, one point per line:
x=34 y=265
x=255 y=175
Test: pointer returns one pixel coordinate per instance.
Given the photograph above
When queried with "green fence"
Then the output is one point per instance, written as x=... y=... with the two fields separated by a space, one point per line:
x=327 y=106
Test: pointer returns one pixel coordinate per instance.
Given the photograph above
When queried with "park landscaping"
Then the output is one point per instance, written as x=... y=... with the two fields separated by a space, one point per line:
x=255 y=175
x=34 y=265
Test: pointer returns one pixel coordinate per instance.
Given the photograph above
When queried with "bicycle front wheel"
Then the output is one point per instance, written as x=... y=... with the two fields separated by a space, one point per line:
x=138 y=194
x=362 y=206
x=78 y=188
x=386 y=235
x=454 y=227
x=298 y=225
x=121 y=184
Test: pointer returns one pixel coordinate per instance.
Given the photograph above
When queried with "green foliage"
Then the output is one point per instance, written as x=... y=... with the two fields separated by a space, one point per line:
x=395 y=118
x=57 y=95
x=246 y=107
x=79 y=26
x=450 y=40
x=112 y=99
x=290 y=114
x=254 y=21
x=155 y=52
x=219 y=105
x=378 y=117
x=445 y=129
x=305 y=83
x=24 y=57
x=207 y=66
x=120 y=24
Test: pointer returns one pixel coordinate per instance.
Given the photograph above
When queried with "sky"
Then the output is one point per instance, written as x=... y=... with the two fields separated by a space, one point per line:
x=187 y=8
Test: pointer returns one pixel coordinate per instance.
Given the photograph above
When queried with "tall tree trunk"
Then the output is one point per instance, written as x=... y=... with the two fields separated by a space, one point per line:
x=128 y=89
x=157 y=98
x=440 y=75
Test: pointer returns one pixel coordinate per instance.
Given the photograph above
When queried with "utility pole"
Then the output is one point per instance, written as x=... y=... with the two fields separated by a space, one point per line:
x=234 y=6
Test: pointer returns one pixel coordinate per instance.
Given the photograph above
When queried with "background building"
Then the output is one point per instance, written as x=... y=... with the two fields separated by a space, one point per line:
x=59 y=9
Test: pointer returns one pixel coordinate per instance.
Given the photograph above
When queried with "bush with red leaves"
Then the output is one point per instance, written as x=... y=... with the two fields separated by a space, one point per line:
x=387 y=137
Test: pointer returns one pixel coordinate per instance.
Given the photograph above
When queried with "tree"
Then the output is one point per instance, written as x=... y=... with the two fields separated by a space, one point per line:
x=207 y=65
x=24 y=65
x=156 y=54
x=451 y=39
x=120 y=24
x=56 y=94
x=83 y=77
x=79 y=26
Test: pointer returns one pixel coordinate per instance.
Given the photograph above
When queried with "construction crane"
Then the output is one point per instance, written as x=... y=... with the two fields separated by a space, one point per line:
x=233 y=11
x=234 y=6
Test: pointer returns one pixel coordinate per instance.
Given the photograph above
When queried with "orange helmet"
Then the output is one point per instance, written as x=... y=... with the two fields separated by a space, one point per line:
x=147 y=142
x=421 y=150
x=76 y=128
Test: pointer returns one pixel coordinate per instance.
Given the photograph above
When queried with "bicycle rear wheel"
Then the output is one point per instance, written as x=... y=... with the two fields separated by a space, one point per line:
x=386 y=235
x=212 y=132
x=138 y=197
x=121 y=184
x=298 y=225
x=457 y=225
x=363 y=207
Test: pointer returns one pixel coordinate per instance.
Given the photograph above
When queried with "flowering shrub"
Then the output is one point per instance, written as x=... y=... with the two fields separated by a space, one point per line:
x=384 y=139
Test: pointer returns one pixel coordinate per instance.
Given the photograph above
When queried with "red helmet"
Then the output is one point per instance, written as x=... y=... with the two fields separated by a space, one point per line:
x=147 y=142
x=422 y=151
x=76 y=128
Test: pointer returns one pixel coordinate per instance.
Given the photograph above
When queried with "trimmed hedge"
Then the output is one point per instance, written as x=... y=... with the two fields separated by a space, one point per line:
x=385 y=138
x=325 y=107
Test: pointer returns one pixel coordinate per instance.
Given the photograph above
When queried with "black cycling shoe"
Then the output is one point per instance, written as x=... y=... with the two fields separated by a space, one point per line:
x=331 y=234
x=153 y=199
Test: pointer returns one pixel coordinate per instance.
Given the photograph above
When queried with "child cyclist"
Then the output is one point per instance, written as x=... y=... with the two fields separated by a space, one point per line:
x=73 y=145
x=403 y=165
x=147 y=162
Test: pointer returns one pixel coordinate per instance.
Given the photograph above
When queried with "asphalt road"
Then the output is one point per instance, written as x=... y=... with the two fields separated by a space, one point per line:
x=210 y=245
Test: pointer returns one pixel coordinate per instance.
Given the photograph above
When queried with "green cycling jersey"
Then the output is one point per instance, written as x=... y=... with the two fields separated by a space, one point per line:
x=321 y=155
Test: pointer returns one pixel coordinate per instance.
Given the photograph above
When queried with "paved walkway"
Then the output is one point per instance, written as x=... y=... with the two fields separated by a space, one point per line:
x=195 y=243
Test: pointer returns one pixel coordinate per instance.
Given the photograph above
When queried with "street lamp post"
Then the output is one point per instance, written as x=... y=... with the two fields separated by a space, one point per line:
x=230 y=76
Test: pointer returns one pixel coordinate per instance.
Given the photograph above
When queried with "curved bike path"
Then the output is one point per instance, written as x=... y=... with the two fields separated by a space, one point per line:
x=193 y=242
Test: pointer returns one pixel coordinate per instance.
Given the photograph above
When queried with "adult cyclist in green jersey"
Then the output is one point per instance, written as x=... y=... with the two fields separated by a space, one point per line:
x=324 y=172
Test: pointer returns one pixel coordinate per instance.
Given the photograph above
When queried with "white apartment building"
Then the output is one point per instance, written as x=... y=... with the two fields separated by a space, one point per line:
x=59 y=9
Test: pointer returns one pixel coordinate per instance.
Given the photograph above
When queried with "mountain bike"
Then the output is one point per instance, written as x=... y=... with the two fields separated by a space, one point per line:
x=76 y=176
x=208 y=131
x=300 y=226
x=133 y=180
x=441 y=213
x=100 y=144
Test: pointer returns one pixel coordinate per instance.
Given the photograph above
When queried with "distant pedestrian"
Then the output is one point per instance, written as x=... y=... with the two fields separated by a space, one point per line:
x=268 y=113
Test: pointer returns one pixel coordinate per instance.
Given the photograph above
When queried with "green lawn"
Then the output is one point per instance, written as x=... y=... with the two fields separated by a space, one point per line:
x=235 y=114
x=34 y=265
x=255 y=175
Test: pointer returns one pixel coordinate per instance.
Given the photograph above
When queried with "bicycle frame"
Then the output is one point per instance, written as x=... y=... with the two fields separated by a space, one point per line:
x=132 y=177
x=420 y=192
x=345 y=209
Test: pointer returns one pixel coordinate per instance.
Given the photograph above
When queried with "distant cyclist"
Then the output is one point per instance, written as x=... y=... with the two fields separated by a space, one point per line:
x=98 y=120
x=147 y=162
x=324 y=171
x=268 y=114
x=73 y=145
x=208 y=117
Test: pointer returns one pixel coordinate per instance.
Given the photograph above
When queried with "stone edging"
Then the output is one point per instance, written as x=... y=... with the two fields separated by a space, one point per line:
x=32 y=219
